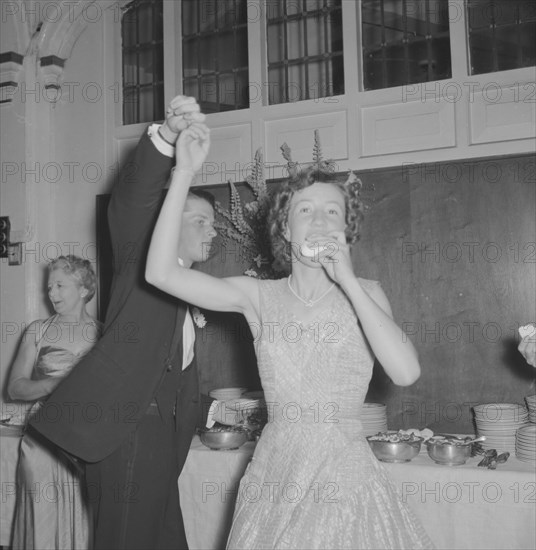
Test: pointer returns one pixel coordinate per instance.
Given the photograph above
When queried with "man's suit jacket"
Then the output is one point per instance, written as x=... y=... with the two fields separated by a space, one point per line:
x=109 y=391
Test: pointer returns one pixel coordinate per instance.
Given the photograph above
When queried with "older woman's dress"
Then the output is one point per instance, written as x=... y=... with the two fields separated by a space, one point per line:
x=52 y=509
x=313 y=481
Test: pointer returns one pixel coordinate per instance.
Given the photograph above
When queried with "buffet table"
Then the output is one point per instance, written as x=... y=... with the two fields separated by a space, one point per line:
x=461 y=507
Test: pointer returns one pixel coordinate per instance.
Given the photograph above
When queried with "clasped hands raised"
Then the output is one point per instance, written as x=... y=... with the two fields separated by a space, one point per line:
x=185 y=126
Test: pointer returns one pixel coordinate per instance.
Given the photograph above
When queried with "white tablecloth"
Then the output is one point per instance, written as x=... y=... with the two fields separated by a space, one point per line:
x=461 y=507
x=9 y=456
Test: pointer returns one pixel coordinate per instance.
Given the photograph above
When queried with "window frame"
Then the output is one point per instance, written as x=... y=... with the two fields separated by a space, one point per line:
x=261 y=120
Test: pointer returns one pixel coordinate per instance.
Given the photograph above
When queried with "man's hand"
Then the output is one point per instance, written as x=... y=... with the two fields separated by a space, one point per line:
x=192 y=147
x=181 y=112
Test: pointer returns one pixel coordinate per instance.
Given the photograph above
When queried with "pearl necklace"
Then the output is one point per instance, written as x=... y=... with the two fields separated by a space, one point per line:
x=308 y=303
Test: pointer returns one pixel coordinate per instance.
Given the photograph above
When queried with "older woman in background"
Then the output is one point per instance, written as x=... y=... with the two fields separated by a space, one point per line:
x=51 y=510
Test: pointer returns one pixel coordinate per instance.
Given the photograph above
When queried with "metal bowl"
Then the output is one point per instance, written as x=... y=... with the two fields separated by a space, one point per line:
x=401 y=451
x=448 y=453
x=223 y=441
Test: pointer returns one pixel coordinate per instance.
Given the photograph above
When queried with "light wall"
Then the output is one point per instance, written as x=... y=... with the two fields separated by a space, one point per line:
x=54 y=163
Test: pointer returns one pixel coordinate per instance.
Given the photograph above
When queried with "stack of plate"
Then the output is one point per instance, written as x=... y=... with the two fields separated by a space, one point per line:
x=255 y=394
x=499 y=423
x=531 y=404
x=526 y=443
x=374 y=418
x=243 y=404
x=225 y=394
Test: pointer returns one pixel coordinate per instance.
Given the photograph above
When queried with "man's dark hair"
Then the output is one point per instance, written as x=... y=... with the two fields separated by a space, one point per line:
x=203 y=194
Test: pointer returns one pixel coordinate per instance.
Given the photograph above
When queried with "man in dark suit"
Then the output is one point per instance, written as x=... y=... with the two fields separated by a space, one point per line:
x=130 y=407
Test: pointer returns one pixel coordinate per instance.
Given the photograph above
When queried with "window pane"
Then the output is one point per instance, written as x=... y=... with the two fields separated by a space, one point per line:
x=129 y=29
x=189 y=17
x=146 y=69
x=318 y=83
x=190 y=88
x=276 y=40
x=146 y=103
x=145 y=23
x=304 y=47
x=501 y=35
x=242 y=86
x=316 y=37
x=130 y=104
x=226 y=43
x=208 y=55
x=297 y=85
x=130 y=68
x=404 y=43
x=241 y=48
x=277 y=86
x=215 y=51
x=228 y=92
x=190 y=58
x=295 y=39
x=208 y=96
x=143 y=69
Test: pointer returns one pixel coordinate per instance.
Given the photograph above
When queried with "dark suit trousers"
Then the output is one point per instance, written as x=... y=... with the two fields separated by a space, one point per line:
x=134 y=491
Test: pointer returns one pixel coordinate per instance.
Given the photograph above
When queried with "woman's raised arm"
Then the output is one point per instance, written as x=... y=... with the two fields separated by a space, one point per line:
x=162 y=269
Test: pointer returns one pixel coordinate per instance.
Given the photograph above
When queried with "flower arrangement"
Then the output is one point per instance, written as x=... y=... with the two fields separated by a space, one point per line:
x=246 y=224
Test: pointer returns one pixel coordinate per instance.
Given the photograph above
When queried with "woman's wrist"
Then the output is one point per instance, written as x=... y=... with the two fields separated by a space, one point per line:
x=188 y=171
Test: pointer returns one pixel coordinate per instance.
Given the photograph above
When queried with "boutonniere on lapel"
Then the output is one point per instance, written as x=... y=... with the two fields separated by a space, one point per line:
x=198 y=317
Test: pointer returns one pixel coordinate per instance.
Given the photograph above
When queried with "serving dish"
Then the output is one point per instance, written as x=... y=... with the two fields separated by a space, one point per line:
x=395 y=446
x=449 y=450
x=223 y=440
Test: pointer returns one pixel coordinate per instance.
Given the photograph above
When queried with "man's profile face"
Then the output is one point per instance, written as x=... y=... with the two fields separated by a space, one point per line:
x=197 y=230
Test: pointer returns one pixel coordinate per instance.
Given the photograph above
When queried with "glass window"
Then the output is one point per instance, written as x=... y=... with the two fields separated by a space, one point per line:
x=143 y=68
x=501 y=35
x=215 y=53
x=305 y=57
x=404 y=42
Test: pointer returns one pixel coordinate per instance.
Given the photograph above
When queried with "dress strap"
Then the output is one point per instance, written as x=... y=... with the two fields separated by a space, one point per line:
x=42 y=331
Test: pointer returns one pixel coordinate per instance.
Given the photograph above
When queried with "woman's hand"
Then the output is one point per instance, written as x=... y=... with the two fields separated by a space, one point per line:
x=334 y=256
x=181 y=112
x=192 y=147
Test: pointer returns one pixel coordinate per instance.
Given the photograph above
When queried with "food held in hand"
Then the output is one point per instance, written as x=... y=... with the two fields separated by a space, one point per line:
x=310 y=251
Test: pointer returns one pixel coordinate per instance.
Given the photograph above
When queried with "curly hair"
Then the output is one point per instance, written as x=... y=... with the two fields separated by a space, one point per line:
x=278 y=217
x=78 y=268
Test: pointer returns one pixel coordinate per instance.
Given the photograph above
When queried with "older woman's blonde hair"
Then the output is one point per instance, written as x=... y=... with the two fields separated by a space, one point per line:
x=78 y=268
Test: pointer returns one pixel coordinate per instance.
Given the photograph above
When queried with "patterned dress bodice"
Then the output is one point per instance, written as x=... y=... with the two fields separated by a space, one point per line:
x=316 y=374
